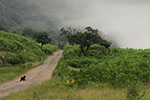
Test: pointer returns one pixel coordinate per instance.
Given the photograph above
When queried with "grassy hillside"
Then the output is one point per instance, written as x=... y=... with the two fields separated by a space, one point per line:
x=18 y=53
x=121 y=75
x=118 y=69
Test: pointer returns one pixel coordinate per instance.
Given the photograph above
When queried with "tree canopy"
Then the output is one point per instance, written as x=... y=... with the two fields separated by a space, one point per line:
x=42 y=37
x=84 y=38
x=28 y=32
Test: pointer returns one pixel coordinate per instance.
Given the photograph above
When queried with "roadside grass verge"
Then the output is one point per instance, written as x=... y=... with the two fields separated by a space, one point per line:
x=57 y=90
x=11 y=72
x=19 y=54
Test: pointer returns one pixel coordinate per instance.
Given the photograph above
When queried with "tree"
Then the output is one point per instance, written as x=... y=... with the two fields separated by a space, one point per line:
x=28 y=32
x=42 y=37
x=106 y=44
x=84 y=38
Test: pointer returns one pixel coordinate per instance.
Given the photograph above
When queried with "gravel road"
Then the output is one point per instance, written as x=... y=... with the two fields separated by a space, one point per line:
x=34 y=76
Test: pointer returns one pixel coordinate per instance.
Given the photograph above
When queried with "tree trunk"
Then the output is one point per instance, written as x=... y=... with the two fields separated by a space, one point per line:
x=42 y=45
x=86 y=51
x=108 y=50
x=82 y=50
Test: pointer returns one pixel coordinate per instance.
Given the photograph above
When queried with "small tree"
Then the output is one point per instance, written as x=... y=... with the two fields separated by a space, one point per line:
x=106 y=44
x=42 y=37
x=28 y=32
x=84 y=38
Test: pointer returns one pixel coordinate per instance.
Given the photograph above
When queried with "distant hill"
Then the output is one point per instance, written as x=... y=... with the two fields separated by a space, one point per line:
x=16 y=14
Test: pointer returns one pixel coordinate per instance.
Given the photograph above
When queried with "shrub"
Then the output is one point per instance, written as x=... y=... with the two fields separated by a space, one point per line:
x=135 y=91
x=81 y=62
x=119 y=68
x=72 y=51
x=49 y=49
x=23 y=49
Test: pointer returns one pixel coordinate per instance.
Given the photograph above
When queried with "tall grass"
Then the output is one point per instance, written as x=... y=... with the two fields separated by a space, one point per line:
x=119 y=68
x=56 y=90
x=95 y=77
x=19 y=54
x=16 y=49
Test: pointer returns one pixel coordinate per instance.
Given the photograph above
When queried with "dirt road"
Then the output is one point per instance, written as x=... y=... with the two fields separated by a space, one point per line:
x=34 y=76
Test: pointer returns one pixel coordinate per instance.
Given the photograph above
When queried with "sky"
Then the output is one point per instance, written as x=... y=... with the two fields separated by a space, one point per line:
x=124 y=22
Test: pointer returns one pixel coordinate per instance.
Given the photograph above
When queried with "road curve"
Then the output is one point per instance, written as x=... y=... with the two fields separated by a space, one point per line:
x=35 y=76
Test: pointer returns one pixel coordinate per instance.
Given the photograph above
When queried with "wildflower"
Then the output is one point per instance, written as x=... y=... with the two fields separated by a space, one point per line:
x=68 y=82
x=72 y=81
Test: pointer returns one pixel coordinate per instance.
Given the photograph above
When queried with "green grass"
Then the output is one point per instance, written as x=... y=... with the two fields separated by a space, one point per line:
x=118 y=69
x=100 y=76
x=8 y=73
x=16 y=49
x=54 y=90
x=12 y=72
x=18 y=54
x=57 y=90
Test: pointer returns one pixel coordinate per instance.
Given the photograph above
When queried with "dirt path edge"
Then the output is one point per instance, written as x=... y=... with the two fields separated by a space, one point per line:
x=35 y=76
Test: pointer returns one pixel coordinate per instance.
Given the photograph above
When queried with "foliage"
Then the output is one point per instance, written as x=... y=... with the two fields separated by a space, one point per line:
x=118 y=69
x=16 y=49
x=49 y=49
x=42 y=37
x=135 y=91
x=28 y=32
x=84 y=38
x=56 y=90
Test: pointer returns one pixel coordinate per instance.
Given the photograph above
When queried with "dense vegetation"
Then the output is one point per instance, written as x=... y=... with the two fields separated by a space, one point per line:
x=118 y=69
x=95 y=73
x=54 y=90
x=19 y=53
x=98 y=72
x=85 y=38
x=15 y=15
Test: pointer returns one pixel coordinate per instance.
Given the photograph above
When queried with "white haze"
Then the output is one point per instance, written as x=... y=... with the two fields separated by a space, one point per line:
x=125 y=22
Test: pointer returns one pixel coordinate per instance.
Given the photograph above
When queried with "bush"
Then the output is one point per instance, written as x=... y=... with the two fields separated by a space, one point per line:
x=97 y=51
x=72 y=52
x=119 y=68
x=81 y=62
x=49 y=49
x=135 y=91
x=23 y=49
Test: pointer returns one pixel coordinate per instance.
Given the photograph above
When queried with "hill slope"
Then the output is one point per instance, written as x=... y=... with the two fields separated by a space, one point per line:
x=19 y=54
x=33 y=77
x=97 y=76
x=16 y=14
x=118 y=69
x=16 y=49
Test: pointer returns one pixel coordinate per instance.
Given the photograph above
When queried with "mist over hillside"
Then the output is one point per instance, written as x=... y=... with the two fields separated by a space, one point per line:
x=49 y=15
x=124 y=22
x=26 y=13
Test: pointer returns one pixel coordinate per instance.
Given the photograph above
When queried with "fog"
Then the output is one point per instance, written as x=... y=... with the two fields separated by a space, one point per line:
x=125 y=22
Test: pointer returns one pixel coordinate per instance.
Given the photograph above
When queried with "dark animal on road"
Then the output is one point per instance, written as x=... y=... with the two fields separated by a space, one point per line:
x=23 y=78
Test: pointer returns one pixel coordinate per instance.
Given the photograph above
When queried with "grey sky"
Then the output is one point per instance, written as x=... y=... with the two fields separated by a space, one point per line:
x=126 y=22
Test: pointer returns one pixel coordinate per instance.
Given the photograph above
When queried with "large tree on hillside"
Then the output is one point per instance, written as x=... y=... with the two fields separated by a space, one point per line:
x=42 y=37
x=84 y=38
